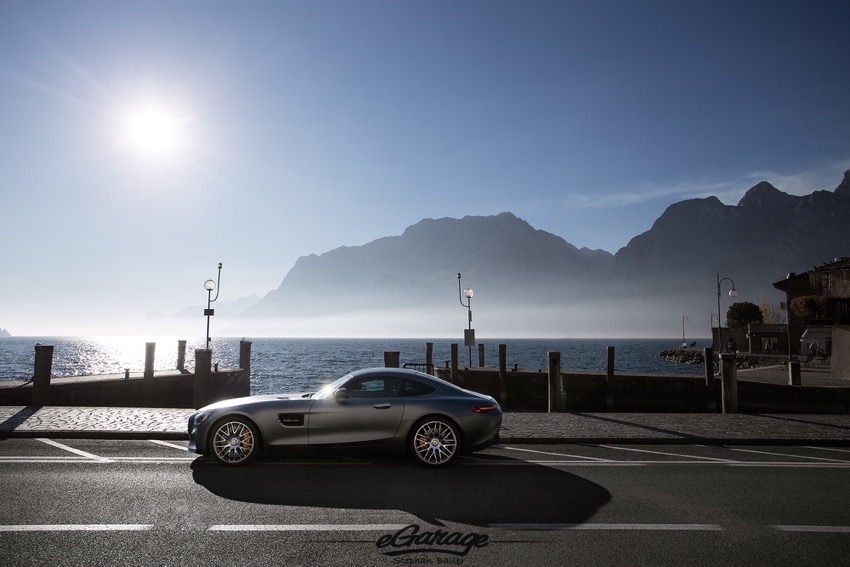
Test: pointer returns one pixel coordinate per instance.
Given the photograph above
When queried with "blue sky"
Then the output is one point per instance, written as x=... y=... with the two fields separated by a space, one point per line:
x=299 y=127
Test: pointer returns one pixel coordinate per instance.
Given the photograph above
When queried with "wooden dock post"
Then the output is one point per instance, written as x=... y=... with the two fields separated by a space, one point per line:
x=391 y=358
x=203 y=364
x=181 y=355
x=245 y=356
x=708 y=359
x=556 y=385
x=730 y=382
x=609 y=380
x=456 y=379
x=503 y=374
x=147 y=381
x=41 y=375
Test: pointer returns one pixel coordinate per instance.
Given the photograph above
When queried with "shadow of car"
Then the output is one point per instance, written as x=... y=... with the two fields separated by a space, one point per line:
x=478 y=491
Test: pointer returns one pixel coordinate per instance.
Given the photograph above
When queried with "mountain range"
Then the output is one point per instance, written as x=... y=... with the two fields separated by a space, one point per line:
x=529 y=282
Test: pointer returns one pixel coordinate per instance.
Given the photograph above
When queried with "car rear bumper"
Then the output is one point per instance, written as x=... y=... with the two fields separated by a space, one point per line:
x=481 y=430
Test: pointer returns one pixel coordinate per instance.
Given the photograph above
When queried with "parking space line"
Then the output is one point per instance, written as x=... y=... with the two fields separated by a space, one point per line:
x=167 y=444
x=554 y=454
x=789 y=465
x=75 y=451
x=789 y=455
x=26 y=460
x=713 y=459
x=611 y=527
x=306 y=527
x=76 y=528
x=154 y=459
x=816 y=529
x=828 y=449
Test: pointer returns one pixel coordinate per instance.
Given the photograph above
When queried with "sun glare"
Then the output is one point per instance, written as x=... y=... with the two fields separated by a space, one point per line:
x=154 y=130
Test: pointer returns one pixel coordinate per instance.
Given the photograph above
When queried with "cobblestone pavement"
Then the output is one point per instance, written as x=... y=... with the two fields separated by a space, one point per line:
x=651 y=428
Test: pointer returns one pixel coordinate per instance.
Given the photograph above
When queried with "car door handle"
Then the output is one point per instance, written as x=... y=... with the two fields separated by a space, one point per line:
x=382 y=406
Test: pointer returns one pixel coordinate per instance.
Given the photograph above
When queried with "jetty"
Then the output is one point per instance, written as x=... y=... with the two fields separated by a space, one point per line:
x=725 y=387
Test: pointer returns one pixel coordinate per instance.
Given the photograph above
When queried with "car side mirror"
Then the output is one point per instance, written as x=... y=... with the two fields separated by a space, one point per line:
x=341 y=395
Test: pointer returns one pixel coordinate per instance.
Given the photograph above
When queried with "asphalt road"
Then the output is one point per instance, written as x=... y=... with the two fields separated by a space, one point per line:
x=99 y=502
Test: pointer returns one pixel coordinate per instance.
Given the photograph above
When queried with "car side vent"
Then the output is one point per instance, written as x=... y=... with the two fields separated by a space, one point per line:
x=291 y=419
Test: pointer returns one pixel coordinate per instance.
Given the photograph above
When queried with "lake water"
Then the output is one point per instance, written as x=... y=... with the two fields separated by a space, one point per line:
x=286 y=365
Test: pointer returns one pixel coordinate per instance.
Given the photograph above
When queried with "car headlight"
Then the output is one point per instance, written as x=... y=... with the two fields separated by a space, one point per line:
x=201 y=417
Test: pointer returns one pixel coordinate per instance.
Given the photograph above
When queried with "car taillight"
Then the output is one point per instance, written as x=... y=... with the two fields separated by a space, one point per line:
x=485 y=409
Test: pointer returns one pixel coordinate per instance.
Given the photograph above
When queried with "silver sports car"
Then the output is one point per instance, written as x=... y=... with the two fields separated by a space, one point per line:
x=432 y=419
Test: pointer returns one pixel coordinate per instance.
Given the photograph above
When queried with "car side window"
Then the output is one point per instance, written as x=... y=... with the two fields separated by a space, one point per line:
x=411 y=388
x=372 y=388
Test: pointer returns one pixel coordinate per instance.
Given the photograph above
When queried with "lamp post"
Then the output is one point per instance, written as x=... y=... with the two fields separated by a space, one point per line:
x=684 y=320
x=732 y=293
x=210 y=285
x=469 y=334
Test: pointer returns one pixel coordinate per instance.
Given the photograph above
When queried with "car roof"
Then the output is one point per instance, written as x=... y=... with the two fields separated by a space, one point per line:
x=403 y=373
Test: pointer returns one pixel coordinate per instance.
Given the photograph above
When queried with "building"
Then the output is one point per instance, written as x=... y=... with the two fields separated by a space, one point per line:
x=819 y=313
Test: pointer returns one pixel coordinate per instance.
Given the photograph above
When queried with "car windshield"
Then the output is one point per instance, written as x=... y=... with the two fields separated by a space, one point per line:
x=329 y=389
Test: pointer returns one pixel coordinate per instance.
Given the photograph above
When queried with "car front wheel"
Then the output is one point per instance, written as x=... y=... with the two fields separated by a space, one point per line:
x=435 y=442
x=234 y=441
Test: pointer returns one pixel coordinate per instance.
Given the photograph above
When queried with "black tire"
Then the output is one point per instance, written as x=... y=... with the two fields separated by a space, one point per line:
x=435 y=442
x=234 y=441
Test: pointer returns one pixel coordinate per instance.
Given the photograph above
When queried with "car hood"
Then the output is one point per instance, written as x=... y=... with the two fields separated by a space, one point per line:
x=252 y=400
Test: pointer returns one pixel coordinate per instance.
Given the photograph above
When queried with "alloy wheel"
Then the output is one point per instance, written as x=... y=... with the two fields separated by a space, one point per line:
x=435 y=442
x=234 y=442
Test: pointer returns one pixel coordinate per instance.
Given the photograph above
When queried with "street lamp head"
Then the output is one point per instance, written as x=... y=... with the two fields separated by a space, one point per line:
x=467 y=293
x=733 y=292
x=209 y=285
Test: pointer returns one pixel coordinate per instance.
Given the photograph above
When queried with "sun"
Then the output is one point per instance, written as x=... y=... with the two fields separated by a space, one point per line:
x=154 y=130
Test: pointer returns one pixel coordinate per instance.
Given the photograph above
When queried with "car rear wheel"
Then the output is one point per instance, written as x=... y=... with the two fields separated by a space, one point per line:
x=435 y=442
x=234 y=441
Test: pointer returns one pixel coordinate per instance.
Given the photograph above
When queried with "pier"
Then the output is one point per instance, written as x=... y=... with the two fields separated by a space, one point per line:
x=792 y=388
x=177 y=388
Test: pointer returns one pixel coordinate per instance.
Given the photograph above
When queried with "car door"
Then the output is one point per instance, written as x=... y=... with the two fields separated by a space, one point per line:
x=368 y=413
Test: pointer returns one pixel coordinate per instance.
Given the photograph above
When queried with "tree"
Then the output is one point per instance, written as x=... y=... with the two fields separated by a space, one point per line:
x=742 y=314
x=771 y=314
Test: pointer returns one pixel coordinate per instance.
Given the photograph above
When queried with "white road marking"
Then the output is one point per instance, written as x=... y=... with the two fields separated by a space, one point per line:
x=635 y=527
x=817 y=529
x=76 y=528
x=554 y=454
x=714 y=459
x=787 y=455
x=75 y=451
x=26 y=460
x=394 y=527
x=167 y=444
x=469 y=462
x=526 y=463
x=154 y=459
x=768 y=464
x=828 y=449
x=566 y=460
x=306 y=527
